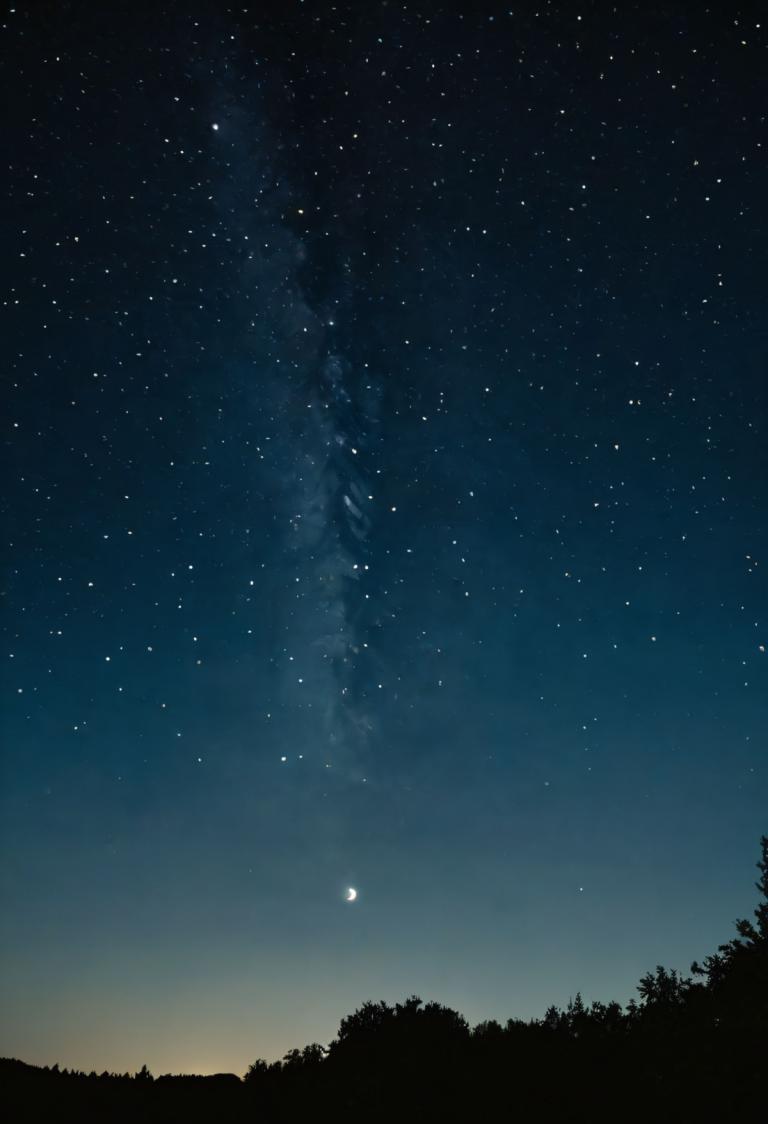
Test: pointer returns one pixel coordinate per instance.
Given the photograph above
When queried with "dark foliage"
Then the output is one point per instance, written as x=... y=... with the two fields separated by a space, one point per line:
x=692 y=1049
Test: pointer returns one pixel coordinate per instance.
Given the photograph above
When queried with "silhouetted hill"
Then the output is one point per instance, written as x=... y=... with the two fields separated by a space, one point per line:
x=691 y=1049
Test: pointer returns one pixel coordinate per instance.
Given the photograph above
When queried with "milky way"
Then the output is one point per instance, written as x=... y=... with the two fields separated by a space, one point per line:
x=321 y=416
x=327 y=630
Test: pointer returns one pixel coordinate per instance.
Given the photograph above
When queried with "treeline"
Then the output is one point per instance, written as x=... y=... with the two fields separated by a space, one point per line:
x=691 y=1048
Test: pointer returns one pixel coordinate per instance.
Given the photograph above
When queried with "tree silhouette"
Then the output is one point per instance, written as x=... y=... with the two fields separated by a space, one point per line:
x=663 y=988
x=688 y=1050
x=257 y=1071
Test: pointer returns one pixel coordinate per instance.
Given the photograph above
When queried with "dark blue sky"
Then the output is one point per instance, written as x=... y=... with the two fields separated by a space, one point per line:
x=385 y=486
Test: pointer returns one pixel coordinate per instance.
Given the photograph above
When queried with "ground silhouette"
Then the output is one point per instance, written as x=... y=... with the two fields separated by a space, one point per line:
x=691 y=1048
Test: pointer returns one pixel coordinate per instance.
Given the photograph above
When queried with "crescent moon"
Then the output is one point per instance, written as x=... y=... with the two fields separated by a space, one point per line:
x=351 y=894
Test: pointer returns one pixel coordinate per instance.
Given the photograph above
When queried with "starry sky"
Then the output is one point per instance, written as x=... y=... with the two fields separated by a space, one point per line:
x=384 y=506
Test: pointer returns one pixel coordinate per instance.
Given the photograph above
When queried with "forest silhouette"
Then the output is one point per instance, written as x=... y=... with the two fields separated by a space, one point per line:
x=690 y=1048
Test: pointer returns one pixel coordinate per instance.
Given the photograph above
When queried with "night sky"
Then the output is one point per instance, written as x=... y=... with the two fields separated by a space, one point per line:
x=384 y=506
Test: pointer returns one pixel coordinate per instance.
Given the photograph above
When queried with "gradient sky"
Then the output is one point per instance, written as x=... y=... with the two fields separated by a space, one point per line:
x=384 y=488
